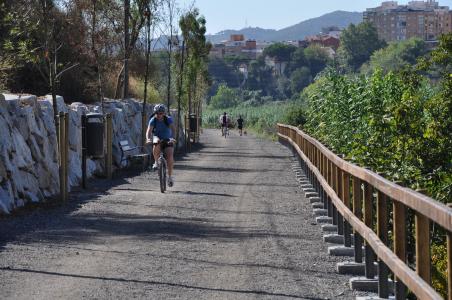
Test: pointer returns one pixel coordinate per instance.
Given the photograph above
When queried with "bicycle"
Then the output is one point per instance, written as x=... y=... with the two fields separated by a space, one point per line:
x=161 y=162
x=226 y=131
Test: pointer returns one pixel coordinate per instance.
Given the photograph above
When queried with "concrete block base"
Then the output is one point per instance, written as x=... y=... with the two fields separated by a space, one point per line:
x=315 y=200
x=351 y=268
x=309 y=190
x=336 y=239
x=320 y=212
x=311 y=194
x=324 y=220
x=329 y=228
x=317 y=205
x=374 y=298
x=333 y=238
x=341 y=251
x=368 y=285
x=364 y=284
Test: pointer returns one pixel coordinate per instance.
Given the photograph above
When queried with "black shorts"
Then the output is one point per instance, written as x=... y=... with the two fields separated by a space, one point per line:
x=240 y=127
x=165 y=144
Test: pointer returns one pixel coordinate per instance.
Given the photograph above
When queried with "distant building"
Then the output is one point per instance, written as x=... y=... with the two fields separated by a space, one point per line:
x=237 y=37
x=422 y=19
x=324 y=41
x=217 y=51
x=236 y=46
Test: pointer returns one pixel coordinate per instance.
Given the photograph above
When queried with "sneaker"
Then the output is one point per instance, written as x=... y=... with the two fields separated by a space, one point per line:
x=170 y=181
x=155 y=166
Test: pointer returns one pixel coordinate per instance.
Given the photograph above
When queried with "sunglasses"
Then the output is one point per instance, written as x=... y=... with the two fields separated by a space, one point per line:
x=160 y=113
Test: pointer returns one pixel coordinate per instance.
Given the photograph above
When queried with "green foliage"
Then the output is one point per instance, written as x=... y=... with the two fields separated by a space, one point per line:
x=295 y=115
x=225 y=97
x=316 y=59
x=222 y=72
x=196 y=76
x=300 y=79
x=260 y=77
x=358 y=43
x=279 y=51
x=396 y=56
x=398 y=123
x=262 y=119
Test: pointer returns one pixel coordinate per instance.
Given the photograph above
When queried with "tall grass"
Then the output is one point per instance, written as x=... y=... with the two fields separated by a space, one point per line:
x=261 y=119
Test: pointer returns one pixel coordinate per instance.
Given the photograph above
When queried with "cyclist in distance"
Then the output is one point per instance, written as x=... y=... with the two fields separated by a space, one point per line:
x=240 y=124
x=224 y=121
x=160 y=131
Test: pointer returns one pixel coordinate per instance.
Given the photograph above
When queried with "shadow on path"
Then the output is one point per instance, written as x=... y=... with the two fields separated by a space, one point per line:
x=152 y=282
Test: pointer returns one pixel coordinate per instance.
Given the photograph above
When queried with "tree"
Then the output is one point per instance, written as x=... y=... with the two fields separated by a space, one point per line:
x=280 y=52
x=193 y=27
x=300 y=79
x=316 y=58
x=358 y=43
x=260 y=77
x=225 y=97
x=134 y=21
x=297 y=60
x=396 y=56
x=220 y=72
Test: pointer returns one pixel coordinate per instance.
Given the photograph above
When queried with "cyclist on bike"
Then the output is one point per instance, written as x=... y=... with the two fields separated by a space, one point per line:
x=160 y=131
x=224 y=121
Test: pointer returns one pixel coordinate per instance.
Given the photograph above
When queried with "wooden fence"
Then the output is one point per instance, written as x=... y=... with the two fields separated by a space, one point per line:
x=351 y=194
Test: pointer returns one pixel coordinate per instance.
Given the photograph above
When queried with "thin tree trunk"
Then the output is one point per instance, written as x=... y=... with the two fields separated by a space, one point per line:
x=119 y=83
x=146 y=75
x=169 y=70
x=126 y=48
x=180 y=91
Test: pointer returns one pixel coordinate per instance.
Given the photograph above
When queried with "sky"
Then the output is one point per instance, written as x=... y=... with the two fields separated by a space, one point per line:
x=273 y=14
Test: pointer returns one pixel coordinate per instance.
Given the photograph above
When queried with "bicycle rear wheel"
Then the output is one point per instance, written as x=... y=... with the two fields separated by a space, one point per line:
x=162 y=175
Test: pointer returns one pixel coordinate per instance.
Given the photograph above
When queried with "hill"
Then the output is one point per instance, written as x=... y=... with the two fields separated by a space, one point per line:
x=299 y=31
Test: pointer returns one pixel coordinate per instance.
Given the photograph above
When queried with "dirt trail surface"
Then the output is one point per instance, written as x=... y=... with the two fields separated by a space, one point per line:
x=234 y=226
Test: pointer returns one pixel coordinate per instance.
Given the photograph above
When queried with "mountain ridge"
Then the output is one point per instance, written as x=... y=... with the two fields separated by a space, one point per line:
x=299 y=31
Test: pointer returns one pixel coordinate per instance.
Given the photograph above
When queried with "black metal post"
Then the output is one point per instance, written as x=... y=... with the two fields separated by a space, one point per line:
x=84 y=151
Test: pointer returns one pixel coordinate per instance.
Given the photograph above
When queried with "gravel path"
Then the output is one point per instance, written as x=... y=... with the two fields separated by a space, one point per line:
x=235 y=226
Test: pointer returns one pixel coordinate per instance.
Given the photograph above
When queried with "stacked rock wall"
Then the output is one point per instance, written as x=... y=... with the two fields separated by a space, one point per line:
x=28 y=148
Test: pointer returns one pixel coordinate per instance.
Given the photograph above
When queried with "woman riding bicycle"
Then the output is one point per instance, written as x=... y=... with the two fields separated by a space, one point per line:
x=160 y=133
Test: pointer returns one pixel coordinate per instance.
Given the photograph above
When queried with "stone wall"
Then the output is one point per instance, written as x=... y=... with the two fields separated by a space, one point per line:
x=28 y=148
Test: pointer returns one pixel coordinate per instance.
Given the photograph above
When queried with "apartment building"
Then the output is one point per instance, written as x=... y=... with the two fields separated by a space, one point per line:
x=422 y=19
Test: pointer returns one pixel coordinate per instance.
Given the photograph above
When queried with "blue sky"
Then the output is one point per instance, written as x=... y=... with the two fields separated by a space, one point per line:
x=273 y=14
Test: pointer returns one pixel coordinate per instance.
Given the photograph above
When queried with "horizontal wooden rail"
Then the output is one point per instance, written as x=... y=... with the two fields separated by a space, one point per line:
x=432 y=210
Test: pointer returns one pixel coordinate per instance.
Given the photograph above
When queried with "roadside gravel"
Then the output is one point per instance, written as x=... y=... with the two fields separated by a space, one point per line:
x=234 y=226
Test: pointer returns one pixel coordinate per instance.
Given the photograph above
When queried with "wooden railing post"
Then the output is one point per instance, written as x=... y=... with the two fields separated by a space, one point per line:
x=334 y=186
x=346 y=199
x=399 y=229
x=382 y=231
x=357 y=211
x=62 y=148
x=66 y=156
x=423 y=247
x=325 y=175
x=330 y=183
x=449 y=261
x=340 y=218
x=369 y=258
x=109 y=145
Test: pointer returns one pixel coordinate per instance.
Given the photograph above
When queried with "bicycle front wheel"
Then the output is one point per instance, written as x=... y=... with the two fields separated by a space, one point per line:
x=162 y=175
